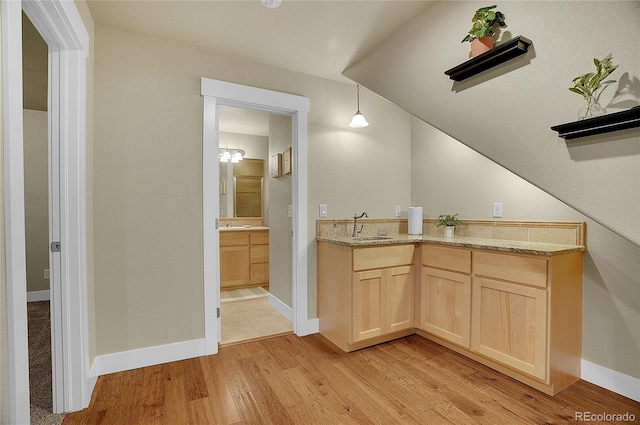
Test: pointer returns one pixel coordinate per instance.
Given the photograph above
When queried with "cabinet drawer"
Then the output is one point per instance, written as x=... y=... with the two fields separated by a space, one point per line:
x=260 y=237
x=382 y=256
x=516 y=268
x=259 y=254
x=455 y=259
x=234 y=238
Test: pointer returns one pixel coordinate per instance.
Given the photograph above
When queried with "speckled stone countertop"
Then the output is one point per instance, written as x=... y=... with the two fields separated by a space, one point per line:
x=535 y=248
x=242 y=228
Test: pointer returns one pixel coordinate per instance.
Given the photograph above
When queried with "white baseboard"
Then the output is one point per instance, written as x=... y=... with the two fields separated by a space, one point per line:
x=282 y=308
x=612 y=380
x=313 y=326
x=38 y=296
x=125 y=360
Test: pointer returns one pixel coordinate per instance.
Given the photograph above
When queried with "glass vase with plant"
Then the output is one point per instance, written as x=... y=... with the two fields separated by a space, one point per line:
x=591 y=85
x=449 y=221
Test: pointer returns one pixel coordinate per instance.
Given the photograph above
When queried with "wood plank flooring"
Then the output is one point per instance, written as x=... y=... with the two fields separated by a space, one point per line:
x=291 y=380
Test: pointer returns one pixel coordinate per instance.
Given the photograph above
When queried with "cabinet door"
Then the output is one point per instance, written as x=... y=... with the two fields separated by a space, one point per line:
x=445 y=305
x=368 y=300
x=510 y=324
x=399 y=305
x=234 y=266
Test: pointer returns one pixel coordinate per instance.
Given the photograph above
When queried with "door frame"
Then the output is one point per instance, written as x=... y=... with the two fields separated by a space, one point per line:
x=60 y=25
x=220 y=93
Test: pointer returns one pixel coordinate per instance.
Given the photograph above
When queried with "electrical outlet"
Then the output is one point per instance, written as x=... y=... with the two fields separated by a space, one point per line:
x=290 y=211
x=497 y=210
x=323 y=210
x=398 y=210
x=46 y=274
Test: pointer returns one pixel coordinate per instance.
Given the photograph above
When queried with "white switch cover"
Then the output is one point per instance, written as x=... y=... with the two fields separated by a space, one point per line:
x=398 y=210
x=497 y=210
x=323 y=210
x=290 y=211
x=46 y=274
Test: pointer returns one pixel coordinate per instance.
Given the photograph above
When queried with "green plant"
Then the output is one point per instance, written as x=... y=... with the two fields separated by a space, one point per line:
x=586 y=85
x=485 y=22
x=449 y=220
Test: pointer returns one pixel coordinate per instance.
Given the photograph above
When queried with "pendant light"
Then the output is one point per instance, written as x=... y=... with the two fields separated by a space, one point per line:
x=358 y=120
x=271 y=4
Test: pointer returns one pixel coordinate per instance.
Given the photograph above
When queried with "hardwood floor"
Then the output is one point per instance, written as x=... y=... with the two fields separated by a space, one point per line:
x=291 y=380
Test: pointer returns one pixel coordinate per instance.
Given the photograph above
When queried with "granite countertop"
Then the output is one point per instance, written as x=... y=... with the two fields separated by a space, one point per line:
x=242 y=228
x=536 y=248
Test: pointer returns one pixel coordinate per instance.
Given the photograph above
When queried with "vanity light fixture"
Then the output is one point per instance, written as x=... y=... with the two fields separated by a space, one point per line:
x=271 y=4
x=231 y=155
x=358 y=120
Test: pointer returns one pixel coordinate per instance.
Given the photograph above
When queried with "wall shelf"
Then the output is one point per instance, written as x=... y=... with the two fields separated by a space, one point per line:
x=506 y=51
x=598 y=125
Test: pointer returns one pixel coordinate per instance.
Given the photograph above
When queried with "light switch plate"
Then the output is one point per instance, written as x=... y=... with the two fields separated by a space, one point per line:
x=398 y=210
x=497 y=210
x=323 y=210
x=290 y=211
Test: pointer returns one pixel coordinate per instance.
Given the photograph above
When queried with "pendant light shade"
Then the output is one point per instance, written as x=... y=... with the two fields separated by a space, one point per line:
x=358 y=120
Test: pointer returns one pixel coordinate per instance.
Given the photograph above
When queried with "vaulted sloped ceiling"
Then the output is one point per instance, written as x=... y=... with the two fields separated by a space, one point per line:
x=506 y=113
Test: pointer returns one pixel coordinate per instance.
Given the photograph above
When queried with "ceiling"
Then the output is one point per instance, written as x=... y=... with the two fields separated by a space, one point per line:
x=316 y=37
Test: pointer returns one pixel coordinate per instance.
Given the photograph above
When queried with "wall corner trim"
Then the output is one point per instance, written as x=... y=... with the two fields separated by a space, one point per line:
x=281 y=307
x=612 y=380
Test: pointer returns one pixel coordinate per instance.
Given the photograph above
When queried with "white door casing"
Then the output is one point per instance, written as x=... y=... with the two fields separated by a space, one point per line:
x=219 y=93
x=61 y=26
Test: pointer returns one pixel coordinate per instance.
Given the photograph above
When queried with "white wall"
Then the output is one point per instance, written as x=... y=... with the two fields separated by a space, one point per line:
x=147 y=188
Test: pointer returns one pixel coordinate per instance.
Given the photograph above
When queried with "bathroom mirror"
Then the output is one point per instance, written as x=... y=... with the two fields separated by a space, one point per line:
x=241 y=188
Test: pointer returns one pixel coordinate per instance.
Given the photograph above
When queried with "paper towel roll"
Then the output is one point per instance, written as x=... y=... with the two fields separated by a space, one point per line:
x=415 y=220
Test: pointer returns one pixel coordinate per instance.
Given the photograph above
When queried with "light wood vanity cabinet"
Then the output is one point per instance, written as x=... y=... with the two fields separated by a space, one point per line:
x=445 y=293
x=524 y=316
x=365 y=294
x=244 y=259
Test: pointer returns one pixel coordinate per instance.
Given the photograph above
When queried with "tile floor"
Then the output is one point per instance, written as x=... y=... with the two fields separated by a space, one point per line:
x=249 y=319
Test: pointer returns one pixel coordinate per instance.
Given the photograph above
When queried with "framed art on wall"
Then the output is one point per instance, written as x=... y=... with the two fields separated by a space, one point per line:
x=275 y=165
x=286 y=162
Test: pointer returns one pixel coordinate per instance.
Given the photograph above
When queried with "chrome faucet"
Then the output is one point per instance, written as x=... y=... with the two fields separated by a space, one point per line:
x=355 y=224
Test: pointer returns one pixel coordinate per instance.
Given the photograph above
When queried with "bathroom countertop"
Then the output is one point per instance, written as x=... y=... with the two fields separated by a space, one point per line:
x=535 y=248
x=242 y=228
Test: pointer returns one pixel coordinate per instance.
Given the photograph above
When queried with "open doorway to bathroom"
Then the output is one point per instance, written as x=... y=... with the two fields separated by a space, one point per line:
x=255 y=223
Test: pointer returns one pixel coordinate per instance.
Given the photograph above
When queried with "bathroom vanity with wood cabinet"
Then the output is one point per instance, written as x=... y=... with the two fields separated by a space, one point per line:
x=244 y=258
x=513 y=306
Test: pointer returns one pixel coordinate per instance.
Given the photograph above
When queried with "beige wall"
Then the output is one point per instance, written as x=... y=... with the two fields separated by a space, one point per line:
x=4 y=329
x=506 y=113
x=280 y=224
x=147 y=173
x=611 y=278
x=36 y=198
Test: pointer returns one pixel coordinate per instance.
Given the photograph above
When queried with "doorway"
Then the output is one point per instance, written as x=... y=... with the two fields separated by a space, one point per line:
x=61 y=26
x=255 y=229
x=219 y=93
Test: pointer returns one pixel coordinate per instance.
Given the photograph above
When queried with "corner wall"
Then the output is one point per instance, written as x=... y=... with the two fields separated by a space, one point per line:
x=611 y=274
x=506 y=113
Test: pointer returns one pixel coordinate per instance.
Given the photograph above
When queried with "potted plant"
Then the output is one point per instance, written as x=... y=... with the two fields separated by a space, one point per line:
x=449 y=221
x=591 y=85
x=485 y=25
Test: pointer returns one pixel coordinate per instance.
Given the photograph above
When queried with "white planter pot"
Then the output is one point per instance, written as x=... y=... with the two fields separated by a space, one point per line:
x=448 y=231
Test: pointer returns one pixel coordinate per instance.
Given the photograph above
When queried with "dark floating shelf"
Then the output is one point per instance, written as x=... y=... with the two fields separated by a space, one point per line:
x=506 y=51
x=598 y=125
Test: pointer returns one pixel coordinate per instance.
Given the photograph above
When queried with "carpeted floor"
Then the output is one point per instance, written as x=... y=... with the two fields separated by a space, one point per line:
x=39 y=317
